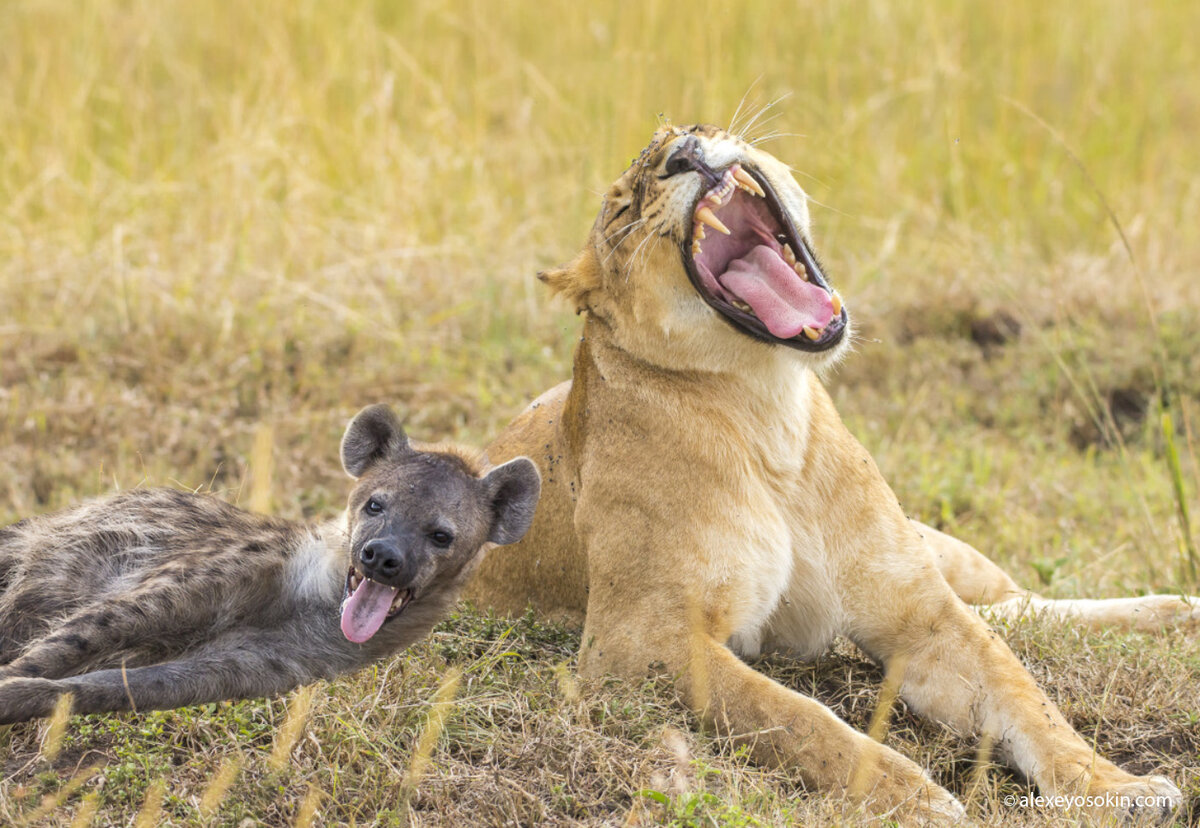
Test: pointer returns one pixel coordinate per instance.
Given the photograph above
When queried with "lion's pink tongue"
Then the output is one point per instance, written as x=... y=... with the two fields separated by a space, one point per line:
x=366 y=609
x=783 y=301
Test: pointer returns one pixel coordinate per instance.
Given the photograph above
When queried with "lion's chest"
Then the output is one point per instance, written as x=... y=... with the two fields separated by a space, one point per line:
x=787 y=600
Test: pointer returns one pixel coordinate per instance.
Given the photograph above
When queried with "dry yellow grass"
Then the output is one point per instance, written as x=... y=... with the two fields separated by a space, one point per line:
x=226 y=227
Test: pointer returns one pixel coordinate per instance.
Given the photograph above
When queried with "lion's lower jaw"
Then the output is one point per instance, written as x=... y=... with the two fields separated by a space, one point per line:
x=716 y=348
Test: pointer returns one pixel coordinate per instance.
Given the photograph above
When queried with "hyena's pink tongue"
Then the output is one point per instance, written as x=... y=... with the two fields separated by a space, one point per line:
x=366 y=609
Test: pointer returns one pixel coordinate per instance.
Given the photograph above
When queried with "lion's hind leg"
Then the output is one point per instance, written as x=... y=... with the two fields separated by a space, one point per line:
x=1144 y=613
x=972 y=576
x=979 y=582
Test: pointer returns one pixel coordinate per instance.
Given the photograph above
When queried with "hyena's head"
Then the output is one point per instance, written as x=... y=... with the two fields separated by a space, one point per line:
x=701 y=258
x=420 y=518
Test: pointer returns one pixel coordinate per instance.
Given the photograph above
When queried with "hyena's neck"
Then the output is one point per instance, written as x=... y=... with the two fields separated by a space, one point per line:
x=316 y=571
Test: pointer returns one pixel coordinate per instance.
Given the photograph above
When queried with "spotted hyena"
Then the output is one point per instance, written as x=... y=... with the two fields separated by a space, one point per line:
x=159 y=598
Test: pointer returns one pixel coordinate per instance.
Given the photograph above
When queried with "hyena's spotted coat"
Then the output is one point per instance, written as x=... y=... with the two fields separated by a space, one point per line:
x=160 y=598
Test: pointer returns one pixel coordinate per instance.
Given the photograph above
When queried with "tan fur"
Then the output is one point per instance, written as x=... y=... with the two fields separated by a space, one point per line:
x=702 y=500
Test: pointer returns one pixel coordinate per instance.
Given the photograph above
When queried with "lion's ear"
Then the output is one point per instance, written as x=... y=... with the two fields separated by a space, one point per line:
x=576 y=280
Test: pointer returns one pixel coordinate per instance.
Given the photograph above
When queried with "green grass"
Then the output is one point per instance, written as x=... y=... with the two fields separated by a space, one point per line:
x=222 y=220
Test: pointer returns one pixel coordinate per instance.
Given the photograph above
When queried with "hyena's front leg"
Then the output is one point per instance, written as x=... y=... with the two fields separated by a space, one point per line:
x=958 y=671
x=235 y=666
x=146 y=619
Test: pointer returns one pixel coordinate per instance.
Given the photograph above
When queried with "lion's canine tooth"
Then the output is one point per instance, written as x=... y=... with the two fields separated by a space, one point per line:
x=705 y=215
x=788 y=255
x=812 y=333
x=836 y=299
x=747 y=181
x=801 y=270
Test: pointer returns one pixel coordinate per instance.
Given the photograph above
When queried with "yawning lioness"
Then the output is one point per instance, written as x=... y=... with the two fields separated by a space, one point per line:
x=703 y=500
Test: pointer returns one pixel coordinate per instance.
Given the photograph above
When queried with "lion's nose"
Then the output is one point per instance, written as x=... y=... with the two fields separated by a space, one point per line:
x=689 y=157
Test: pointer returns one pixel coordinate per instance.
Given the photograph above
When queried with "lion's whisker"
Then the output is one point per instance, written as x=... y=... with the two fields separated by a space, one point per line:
x=737 y=113
x=771 y=136
x=628 y=231
x=634 y=256
x=745 y=133
x=623 y=231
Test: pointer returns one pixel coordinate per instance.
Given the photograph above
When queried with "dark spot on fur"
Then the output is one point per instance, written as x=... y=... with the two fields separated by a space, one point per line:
x=77 y=641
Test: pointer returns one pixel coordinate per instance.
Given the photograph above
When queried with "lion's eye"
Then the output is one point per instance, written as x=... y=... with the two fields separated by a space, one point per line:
x=442 y=539
x=373 y=507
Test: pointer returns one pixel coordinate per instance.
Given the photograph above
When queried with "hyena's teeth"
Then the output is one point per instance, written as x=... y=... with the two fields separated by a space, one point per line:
x=801 y=270
x=742 y=306
x=812 y=333
x=706 y=216
x=399 y=600
x=788 y=255
x=748 y=183
x=836 y=299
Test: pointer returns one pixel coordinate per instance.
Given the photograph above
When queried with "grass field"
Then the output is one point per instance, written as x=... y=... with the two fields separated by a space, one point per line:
x=226 y=227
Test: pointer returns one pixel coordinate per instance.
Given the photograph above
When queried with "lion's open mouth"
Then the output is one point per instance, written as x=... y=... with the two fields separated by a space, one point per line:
x=750 y=263
x=368 y=604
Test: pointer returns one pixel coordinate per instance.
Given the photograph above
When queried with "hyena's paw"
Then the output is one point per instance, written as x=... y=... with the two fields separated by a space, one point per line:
x=22 y=699
x=1141 y=800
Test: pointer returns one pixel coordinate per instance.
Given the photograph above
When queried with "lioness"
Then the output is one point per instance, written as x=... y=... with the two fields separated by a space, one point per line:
x=702 y=499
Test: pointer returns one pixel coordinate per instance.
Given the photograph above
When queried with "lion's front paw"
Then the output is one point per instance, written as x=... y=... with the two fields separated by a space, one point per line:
x=939 y=807
x=1136 y=799
x=902 y=790
x=929 y=804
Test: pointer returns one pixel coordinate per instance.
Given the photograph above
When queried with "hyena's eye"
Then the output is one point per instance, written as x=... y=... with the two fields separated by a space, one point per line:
x=373 y=507
x=441 y=539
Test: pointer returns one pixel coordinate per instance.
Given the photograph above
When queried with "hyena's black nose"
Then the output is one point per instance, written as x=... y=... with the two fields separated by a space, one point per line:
x=381 y=560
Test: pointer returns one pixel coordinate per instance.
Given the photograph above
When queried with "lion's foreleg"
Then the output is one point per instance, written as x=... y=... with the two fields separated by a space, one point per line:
x=780 y=727
x=958 y=671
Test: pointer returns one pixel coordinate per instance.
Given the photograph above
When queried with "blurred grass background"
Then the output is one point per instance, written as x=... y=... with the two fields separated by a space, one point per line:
x=227 y=225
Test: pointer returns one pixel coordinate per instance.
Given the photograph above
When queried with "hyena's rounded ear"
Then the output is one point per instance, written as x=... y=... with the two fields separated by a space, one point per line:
x=512 y=489
x=374 y=434
x=576 y=280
